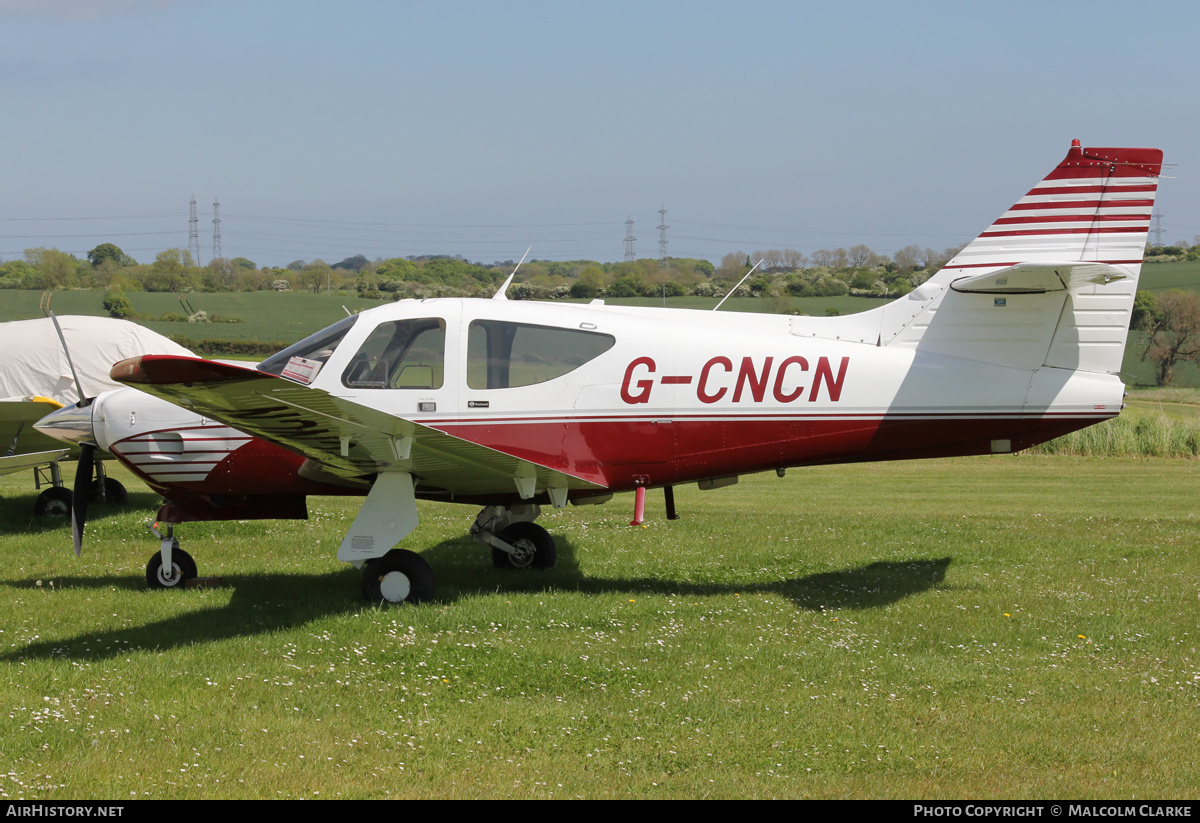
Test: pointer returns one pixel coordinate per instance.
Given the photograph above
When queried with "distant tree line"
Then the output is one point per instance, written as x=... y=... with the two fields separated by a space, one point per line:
x=781 y=275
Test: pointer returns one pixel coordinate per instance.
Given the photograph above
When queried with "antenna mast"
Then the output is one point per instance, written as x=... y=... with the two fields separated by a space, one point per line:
x=629 y=238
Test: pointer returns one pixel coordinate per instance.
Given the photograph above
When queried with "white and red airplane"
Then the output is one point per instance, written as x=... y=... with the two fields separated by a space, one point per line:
x=512 y=406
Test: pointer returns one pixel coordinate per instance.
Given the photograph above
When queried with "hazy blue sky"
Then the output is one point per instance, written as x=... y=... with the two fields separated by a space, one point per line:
x=479 y=128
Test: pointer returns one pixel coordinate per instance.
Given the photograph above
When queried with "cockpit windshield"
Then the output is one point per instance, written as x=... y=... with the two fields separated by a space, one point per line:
x=400 y=354
x=301 y=361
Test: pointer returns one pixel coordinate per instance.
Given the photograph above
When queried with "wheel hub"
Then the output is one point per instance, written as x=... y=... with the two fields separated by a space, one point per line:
x=169 y=577
x=522 y=553
x=395 y=587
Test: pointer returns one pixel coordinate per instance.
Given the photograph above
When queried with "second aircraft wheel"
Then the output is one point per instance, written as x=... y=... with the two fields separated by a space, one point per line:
x=114 y=492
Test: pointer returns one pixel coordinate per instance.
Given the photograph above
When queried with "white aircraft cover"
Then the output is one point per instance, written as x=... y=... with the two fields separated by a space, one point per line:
x=34 y=363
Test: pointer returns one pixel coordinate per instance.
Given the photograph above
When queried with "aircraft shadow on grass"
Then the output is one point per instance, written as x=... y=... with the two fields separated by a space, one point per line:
x=263 y=603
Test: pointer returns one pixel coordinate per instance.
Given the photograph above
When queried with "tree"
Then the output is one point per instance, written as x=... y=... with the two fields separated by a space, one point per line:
x=589 y=284
x=861 y=256
x=353 y=263
x=907 y=258
x=108 y=251
x=1174 y=334
x=1145 y=311
x=118 y=305
x=57 y=268
x=170 y=271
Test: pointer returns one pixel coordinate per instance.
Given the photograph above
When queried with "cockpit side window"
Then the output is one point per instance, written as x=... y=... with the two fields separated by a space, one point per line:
x=503 y=355
x=400 y=354
x=301 y=361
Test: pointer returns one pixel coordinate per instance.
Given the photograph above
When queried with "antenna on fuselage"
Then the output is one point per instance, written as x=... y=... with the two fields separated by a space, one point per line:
x=739 y=285
x=500 y=294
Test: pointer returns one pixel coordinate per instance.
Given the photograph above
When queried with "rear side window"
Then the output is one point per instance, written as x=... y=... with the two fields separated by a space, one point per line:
x=401 y=354
x=502 y=355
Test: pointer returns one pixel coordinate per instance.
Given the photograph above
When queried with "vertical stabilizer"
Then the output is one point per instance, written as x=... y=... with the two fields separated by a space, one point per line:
x=1093 y=208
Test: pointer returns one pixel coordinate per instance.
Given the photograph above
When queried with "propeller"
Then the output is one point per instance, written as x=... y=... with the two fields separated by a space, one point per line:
x=82 y=493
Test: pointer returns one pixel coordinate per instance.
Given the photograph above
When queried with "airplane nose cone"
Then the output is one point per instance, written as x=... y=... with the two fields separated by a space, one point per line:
x=72 y=424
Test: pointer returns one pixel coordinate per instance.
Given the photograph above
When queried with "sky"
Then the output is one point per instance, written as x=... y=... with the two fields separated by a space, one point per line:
x=394 y=128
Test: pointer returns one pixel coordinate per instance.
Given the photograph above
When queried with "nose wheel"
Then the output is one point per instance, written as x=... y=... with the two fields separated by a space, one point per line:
x=181 y=569
x=170 y=567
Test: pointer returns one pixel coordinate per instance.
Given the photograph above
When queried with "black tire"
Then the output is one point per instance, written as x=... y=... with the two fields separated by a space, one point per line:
x=53 y=502
x=400 y=576
x=114 y=492
x=534 y=545
x=183 y=568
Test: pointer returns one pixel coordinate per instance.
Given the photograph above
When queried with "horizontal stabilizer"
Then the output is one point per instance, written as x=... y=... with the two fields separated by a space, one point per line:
x=1039 y=278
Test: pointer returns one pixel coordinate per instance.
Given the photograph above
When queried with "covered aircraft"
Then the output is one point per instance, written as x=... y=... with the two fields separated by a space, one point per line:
x=515 y=406
x=38 y=377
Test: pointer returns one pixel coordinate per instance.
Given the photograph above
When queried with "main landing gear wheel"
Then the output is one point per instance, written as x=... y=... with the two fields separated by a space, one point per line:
x=534 y=547
x=114 y=492
x=53 y=502
x=183 y=568
x=400 y=576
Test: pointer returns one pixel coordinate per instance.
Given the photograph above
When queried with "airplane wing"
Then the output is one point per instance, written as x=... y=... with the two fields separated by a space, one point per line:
x=17 y=462
x=21 y=445
x=345 y=438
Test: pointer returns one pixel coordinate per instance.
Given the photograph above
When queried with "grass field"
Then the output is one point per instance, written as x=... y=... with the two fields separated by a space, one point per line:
x=1158 y=277
x=1012 y=627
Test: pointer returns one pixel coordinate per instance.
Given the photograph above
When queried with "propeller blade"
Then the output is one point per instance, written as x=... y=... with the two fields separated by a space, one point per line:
x=82 y=494
x=62 y=338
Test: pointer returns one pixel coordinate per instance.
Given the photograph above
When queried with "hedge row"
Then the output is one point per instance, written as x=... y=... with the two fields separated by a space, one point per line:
x=231 y=348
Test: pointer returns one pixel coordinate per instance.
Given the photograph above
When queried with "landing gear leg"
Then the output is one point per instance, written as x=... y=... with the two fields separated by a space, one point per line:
x=387 y=516
x=170 y=567
x=517 y=542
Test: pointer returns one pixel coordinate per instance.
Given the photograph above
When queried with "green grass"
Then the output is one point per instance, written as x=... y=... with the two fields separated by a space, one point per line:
x=1013 y=627
x=1159 y=277
x=282 y=316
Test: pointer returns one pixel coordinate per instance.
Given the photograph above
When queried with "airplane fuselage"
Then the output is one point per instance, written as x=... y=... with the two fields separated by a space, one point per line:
x=672 y=396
